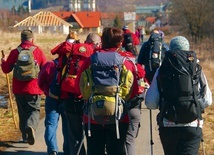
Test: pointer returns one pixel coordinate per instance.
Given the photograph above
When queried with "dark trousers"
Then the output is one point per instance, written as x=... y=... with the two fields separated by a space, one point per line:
x=180 y=140
x=103 y=138
x=28 y=110
x=75 y=125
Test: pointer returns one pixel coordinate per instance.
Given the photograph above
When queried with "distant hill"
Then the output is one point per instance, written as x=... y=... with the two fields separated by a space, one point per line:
x=102 y=5
x=125 y=5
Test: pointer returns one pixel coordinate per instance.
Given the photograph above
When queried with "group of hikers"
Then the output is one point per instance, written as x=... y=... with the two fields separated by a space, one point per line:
x=97 y=88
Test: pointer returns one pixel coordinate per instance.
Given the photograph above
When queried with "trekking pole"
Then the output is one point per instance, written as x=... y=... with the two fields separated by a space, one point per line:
x=10 y=96
x=203 y=147
x=83 y=136
x=151 y=136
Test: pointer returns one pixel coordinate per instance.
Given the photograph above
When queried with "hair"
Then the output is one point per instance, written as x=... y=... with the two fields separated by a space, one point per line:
x=93 y=38
x=112 y=37
x=72 y=35
x=27 y=35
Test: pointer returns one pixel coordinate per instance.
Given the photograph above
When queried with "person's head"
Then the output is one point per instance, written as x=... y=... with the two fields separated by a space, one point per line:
x=161 y=33
x=112 y=37
x=27 y=35
x=125 y=28
x=94 y=39
x=72 y=36
x=179 y=43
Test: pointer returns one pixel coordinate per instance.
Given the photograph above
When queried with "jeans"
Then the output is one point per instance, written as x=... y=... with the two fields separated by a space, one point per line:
x=54 y=110
x=180 y=140
x=29 y=111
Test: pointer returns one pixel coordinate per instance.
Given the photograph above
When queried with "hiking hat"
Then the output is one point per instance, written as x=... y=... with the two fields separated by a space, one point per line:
x=179 y=43
x=27 y=34
x=125 y=27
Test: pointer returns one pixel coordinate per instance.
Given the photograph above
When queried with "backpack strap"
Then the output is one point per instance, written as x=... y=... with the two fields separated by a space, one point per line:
x=67 y=65
x=31 y=49
x=194 y=83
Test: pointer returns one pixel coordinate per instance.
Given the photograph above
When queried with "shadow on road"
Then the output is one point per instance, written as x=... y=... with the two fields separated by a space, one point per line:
x=23 y=152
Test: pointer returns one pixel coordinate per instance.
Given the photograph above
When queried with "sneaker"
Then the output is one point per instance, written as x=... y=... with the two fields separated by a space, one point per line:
x=53 y=153
x=31 y=135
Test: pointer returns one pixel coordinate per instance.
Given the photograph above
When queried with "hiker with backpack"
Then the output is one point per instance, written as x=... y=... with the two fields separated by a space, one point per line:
x=130 y=41
x=152 y=53
x=181 y=92
x=134 y=103
x=71 y=57
x=26 y=61
x=54 y=108
x=105 y=81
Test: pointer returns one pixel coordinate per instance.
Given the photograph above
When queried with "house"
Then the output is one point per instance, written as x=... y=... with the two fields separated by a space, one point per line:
x=44 y=21
x=82 y=21
x=152 y=14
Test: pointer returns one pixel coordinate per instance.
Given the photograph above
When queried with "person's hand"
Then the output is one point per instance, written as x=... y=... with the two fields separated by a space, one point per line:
x=3 y=56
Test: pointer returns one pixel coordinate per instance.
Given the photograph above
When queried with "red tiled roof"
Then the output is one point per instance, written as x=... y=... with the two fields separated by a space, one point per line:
x=89 y=19
x=86 y=19
x=151 y=19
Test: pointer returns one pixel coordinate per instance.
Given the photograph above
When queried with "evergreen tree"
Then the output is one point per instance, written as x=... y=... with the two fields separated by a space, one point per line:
x=117 y=22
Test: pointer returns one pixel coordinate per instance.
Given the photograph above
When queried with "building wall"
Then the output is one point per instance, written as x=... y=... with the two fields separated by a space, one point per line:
x=82 y=5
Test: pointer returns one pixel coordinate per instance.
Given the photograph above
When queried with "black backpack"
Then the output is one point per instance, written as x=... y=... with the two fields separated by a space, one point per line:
x=155 y=52
x=128 y=44
x=152 y=54
x=178 y=81
x=128 y=40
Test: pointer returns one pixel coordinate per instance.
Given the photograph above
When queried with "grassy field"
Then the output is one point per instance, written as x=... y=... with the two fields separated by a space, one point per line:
x=46 y=42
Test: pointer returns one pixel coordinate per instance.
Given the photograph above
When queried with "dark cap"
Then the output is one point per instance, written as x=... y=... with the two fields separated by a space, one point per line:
x=26 y=34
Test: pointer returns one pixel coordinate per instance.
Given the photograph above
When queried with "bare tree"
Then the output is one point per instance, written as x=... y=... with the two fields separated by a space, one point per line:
x=194 y=16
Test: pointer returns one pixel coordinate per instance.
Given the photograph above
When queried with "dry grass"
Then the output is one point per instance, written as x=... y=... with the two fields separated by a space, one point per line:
x=47 y=41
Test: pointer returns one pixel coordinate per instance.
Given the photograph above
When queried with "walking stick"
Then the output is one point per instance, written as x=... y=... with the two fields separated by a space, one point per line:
x=9 y=91
x=203 y=147
x=151 y=136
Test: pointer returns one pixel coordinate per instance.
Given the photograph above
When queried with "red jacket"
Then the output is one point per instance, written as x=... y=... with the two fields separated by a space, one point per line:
x=86 y=64
x=46 y=76
x=135 y=38
x=24 y=87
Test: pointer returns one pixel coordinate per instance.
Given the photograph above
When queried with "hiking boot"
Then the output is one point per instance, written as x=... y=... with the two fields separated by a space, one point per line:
x=53 y=153
x=31 y=135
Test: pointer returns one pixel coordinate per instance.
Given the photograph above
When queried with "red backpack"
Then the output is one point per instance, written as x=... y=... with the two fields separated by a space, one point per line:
x=71 y=57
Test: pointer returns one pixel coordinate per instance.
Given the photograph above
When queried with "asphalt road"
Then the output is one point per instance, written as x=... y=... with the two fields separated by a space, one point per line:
x=142 y=142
